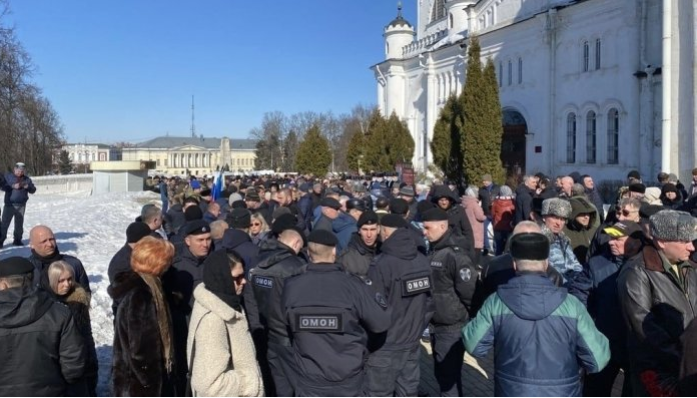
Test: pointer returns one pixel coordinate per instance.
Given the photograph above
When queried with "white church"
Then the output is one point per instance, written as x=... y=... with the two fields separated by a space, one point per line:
x=595 y=86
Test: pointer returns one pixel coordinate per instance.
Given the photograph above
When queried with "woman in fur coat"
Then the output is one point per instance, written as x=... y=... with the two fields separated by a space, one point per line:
x=59 y=281
x=143 y=362
x=220 y=350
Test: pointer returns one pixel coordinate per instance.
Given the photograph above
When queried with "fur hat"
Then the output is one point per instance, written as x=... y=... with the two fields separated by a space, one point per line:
x=673 y=225
x=556 y=207
x=652 y=196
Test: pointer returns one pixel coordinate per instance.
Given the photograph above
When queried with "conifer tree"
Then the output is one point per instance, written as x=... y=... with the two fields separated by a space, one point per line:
x=65 y=166
x=377 y=140
x=447 y=136
x=481 y=139
x=314 y=155
x=355 y=151
x=399 y=143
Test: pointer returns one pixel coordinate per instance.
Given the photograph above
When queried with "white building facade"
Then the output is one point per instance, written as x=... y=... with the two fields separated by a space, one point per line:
x=582 y=82
x=82 y=154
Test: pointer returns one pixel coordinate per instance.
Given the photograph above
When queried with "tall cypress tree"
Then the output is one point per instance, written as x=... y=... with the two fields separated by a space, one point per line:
x=376 y=155
x=447 y=138
x=355 y=152
x=481 y=140
x=314 y=155
x=399 y=143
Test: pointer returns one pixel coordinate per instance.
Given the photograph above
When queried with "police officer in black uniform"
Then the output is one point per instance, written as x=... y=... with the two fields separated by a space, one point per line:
x=454 y=280
x=363 y=246
x=278 y=261
x=403 y=276
x=330 y=313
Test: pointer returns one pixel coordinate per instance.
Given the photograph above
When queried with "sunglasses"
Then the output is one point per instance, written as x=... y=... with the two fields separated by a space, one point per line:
x=256 y=224
x=626 y=212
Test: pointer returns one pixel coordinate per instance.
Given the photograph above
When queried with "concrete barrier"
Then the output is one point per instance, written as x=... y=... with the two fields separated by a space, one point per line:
x=63 y=184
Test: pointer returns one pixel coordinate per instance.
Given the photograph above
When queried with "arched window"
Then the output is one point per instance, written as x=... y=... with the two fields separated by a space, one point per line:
x=613 y=136
x=591 y=137
x=586 y=56
x=520 y=70
x=598 y=47
x=571 y=138
x=438 y=11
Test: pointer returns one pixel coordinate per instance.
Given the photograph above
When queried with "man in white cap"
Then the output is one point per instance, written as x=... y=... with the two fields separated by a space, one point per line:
x=17 y=188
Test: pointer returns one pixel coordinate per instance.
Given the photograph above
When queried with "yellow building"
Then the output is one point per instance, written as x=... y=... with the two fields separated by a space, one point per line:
x=197 y=155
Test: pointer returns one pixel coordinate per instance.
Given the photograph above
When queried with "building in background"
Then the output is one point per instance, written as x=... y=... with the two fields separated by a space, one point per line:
x=196 y=156
x=82 y=154
x=594 y=86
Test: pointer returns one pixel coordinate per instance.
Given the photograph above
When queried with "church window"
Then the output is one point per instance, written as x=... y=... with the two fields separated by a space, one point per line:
x=438 y=11
x=613 y=136
x=586 y=56
x=591 y=137
x=510 y=72
x=598 y=47
x=571 y=138
x=520 y=70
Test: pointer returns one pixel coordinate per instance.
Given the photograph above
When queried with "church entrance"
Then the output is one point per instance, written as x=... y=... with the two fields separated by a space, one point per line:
x=513 y=143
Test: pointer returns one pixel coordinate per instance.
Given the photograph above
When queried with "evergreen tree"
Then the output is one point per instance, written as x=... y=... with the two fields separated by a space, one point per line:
x=447 y=136
x=355 y=151
x=376 y=143
x=481 y=138
x=314 y=154
x=399 y=143
x=65 y=166
x=290 y=148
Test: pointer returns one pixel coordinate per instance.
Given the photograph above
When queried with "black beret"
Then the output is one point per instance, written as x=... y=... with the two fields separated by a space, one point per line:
x=196 y=227
x=529 y=246
x=393 y=221
x=239 y=218
x=434 y=214
x=137 y=231
x=637 y=187
x=367 y=218
x=193 y=213
x=13 y=266
x=323 y=237
x=330 y=202
x=399 y=206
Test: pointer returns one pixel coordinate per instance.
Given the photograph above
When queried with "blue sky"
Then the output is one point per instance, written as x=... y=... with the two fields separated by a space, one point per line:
x=125 y=70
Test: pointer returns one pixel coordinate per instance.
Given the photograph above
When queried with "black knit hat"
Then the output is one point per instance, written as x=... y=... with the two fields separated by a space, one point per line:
x=239 y=218
x=193 y=213
x=137 y=231
x=529 y=246
x=399 y=206
x=322 y=237
x=393 y=221
x=434 y=214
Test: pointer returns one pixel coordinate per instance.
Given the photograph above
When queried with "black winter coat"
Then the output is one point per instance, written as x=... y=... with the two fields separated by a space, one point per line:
x=403 y=276
x=657 y=305
x=242 y=244
x=174 y=219
x=523 y=204
x=41 y=265
x=138 y=367
x=357 y=256
x=278 y=262
x=454 y=281
x=42 y=349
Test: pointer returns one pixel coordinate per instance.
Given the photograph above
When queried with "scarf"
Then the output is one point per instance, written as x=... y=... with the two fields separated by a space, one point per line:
x=56 y=256
x=217 y=278
x=164 y=321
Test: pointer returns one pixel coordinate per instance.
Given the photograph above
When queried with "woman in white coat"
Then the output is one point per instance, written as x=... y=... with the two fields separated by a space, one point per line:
x=220 y=351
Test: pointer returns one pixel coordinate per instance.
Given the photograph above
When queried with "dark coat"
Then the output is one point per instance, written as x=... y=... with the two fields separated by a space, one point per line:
x=174 y=219
x=305 y=211
x=403 y=276
x=688 y=365
x=41 y=265
x=542 y=337
x=487 y=195
x=42 y=349
x=241 y=243
x=594 y=197
x=17 y=196
x=357 y=256
x=138 y=359
x=657 y=305
x=121 y=262
x=523 y=204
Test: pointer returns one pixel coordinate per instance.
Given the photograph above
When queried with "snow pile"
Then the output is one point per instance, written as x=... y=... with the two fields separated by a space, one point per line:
x=93 y=229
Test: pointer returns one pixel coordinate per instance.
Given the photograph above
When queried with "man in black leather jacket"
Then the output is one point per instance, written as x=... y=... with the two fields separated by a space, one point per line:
x=454 y=279
x=42 y=350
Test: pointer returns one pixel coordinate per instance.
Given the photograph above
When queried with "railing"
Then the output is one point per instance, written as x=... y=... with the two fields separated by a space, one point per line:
x=61 y=184
x=422 y=45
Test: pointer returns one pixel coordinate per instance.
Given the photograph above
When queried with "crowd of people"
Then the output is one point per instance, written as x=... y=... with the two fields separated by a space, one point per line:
x=297 y=286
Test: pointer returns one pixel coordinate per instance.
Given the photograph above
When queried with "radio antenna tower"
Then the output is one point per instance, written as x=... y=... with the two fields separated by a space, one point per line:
x=193 y=126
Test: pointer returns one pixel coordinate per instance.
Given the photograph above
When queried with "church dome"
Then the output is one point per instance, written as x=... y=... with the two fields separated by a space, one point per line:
x=399 y=20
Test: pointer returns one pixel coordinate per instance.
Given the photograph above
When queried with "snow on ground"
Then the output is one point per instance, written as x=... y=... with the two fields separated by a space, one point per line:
x=93 y=229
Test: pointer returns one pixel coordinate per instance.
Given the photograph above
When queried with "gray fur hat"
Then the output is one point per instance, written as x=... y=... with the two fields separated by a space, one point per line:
x=673 y=225
x=556 y=207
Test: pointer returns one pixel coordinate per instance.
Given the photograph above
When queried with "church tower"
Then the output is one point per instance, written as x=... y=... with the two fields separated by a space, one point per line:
x=458 y=15
x=398 y=34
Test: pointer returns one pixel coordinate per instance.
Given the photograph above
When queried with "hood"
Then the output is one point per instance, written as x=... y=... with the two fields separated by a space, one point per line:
x=531 y=296
x=581 y=205
x=469 y=201
x=272 y=252
x=22 y=306
x=232 y=238
x=400 y=245
x=342 y=222
x=443 y=191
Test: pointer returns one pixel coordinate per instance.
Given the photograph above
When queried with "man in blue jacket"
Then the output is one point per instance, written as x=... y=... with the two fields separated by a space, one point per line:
x=542 y=335
x=17 y=188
